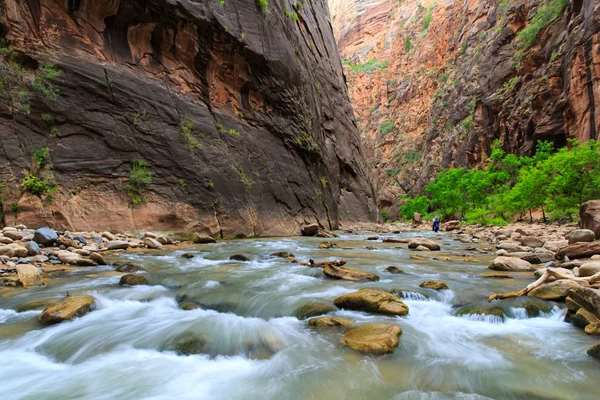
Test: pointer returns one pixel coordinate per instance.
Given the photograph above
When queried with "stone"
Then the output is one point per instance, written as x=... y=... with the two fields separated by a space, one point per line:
x=416 y=219
x=531 y=241
x=582 y=318
x=97 y=258
x=118 y=245
x=239 y=257
x=29 y=276
x=373 y=338
x=579 y=250
x=593 y=329
x=13 y=250
x=512 y=264
x=152 y=243
x=590 y=216
x=374 y=301
x=589 y=268
x=5 y=240
x=538 y=257
x=68 y=257
x=469 y=296
x=313 y=309
x=557 y=290
x=310 y=230
x=82 y=252
x=532 y=305
x=133 y=280
x=16 y=236
x=594 y=351
x=373 y=238
x=67 y=242
x=326 y=234
x=349 y=274
x=451 y=225
x=587 y=298
x=539 y=272
x=187 y=255
x=394 y=270
x=554 y=245
x=336 y=323
x=498 y=275
x=327 y=245
x=45 y=236
x=433 y=284
x=204 y=239
x=581 y=235
x=127 y=266
x=66 y=309
x=430 y=244
x=81 y=240
x=282 y=254
x=481 y=308
x=85 y=262
x=421 y=248
x=32 y=248
x=109 y=236
x=150 y=235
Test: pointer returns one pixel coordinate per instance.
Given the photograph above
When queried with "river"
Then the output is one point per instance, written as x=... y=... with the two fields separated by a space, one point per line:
x=125 y=349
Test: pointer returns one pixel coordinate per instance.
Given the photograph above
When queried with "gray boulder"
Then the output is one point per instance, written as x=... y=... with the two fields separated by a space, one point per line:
x=45 y=236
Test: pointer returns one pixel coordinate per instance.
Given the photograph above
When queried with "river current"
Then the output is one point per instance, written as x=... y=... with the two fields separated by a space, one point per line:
x=254 y=348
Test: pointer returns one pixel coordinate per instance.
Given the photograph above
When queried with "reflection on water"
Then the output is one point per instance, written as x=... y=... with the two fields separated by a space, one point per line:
x=245 y=343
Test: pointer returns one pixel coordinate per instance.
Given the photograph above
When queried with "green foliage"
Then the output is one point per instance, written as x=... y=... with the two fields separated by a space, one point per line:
x=263 y=5
x=407 y=44
x=220 y=128
x=186 y=128
x=384 y=215
x=542 y=17
x=295 y=17
x=323 y=183
x=234 y=132
x=139 y=177
x=386 y=127
x=419 y=204
x=48 y=118
x=43 y=81
x=181 y=182
x=443 y=78
x=39 y=186
x=368 y=67
x=16 y=209
x=427 y=19
x=40 y=156
x=138 y=116
x=222 y=2
x=374 y=108
x=245 y=179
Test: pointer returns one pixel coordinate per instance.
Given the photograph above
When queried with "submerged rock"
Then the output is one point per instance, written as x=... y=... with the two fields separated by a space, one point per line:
x=282 y=254
x=335 y=323
x=349 y=274
x=239 y=257
x=187 y=255
x=313 y=309
x=373 y=338
x=327 y=245
x=67 y=309
x=133 y=280
x=127 y=266
x=394 y=270
x=373 y=301
x=433 y=284
x=481 y=308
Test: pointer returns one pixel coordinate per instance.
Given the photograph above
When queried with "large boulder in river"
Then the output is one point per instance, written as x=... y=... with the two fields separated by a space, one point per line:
x=348 y=274
x=373 y=301
x=29 y=276
x=481 y=308
x=204 y=239
x=335 y=323
x=581 y=235
x=133 y=280
x=578 y=250
x=313 y=309
x=586 y=298
x=373 y=338
x=589 y=268
x=433 y=284
x=67 y=309
x=590 y=216
x=45 y=236
x=430 y=244
x=510 y=264
x=557 y=290
x=310 y=230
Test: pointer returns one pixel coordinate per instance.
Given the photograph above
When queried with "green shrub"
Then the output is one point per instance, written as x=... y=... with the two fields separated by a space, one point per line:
x=48 y=118
x=419 y=204
x=407 y=44
x=139 y=177
x=234 y=132
x=40 y=156
x=263 y=5
x=384 y=215
x=245 y=179
x=367 y=67
x=186 y=127
x=387 y=127
x=38 y=186
x=542 y=17
x=43 y=81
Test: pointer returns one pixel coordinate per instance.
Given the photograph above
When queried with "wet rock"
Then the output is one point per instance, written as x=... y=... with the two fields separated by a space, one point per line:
x=127 y=266
x=433 y=284
x=374 y=301
x=133 y=280
x=469 y=296
x=189 y=305
x=349 y=274
x=594 y=351
x=32 y=248
x=581 y=235
x=498 y=275
x=590 y=216
x=593 y=329
x=336 y=323
x=282 y=254
x=118 y=245
x=310 y=230
x=481 y=308
x=393 y=240
x=204 y=239
x=582 y=318
x=326 y=234
x=410 y=294
x=373 y=238
x=532 y=305
x=187 y=255
x=29 y=276
x=510 y=264
x=45 y=236
x=373 y=338
x=587 y=298
x=67 y=309
x=421 y=248
x=35 y=305
x=369 y=247
x=97 y=258
x=579 y=250
x=557 y=290
x=239 y=257
x=589 y=268
x=86 y=262
x=430 y=244
x=189 y=344
x=394 y=270
x=152 y=243
x=327 y=245
x=313 y=309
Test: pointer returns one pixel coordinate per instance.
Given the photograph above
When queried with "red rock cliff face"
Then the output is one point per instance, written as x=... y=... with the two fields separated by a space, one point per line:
x=457 y=83
x=242 y=116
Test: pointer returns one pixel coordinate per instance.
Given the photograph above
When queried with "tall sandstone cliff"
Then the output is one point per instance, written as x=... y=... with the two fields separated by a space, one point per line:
x=434 y=83
x=241 y=115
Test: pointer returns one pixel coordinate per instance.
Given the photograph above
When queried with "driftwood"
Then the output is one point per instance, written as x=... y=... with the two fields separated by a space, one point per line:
x=550 y=272
x=311 y=263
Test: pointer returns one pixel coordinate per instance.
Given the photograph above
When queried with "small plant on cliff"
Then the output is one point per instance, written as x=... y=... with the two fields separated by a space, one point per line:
x=386 y=127
x=186 y=128
x=234 y=132
x=40 y=157
x=139 y=177
x=138 y=116
x=38 y=186
x=263 y=5
x=407 y=44
x=245 y=179
x=43 y=81
x=48 y=118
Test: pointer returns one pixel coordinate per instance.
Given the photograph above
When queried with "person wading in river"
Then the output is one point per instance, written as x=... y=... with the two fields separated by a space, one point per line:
x=436 y=224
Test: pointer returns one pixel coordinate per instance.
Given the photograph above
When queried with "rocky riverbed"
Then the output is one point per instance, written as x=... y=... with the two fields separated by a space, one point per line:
x=399 y=313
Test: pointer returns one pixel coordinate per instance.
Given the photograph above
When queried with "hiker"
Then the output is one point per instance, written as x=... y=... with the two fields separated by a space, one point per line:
x=436 y=224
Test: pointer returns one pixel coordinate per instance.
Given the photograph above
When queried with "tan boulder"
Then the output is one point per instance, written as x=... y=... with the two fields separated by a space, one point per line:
x=13 y=250
x=557 y=290
x=204 y=239
x=336 y=323
x=433 y=284
x=373 y=301
x=68 y=257
x=510 y=264
x=430 y=244
x=373 y=338
x=118 y=245
x=581 y=235
x=67 y=309
x=579 y=250
x=152 y=243
x=29 y=276
x=348 y=274
x=133 y=280
x=589 y=268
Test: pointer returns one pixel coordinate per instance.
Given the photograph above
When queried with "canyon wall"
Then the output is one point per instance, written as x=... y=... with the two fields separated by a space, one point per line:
x=241 y=115
x=434 y=83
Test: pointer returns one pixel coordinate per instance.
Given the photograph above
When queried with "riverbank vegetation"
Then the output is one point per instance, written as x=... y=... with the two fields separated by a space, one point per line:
x=555 y=182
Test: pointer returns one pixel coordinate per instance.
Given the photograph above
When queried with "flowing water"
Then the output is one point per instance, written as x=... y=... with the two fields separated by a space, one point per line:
x=254 y=348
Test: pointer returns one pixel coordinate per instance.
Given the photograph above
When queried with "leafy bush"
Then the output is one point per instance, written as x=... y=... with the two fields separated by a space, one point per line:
x=384 y=215
x=186 y=127
x=40 y=156
x=38 y=186
x=387 y=127
x=367 y=67
x=139 y=177
x=407 y=44
x=263 y=5
x=419 y=204
x=43 y=81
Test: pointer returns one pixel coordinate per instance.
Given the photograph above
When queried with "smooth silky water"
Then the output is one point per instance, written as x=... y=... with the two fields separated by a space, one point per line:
x=125 y=348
